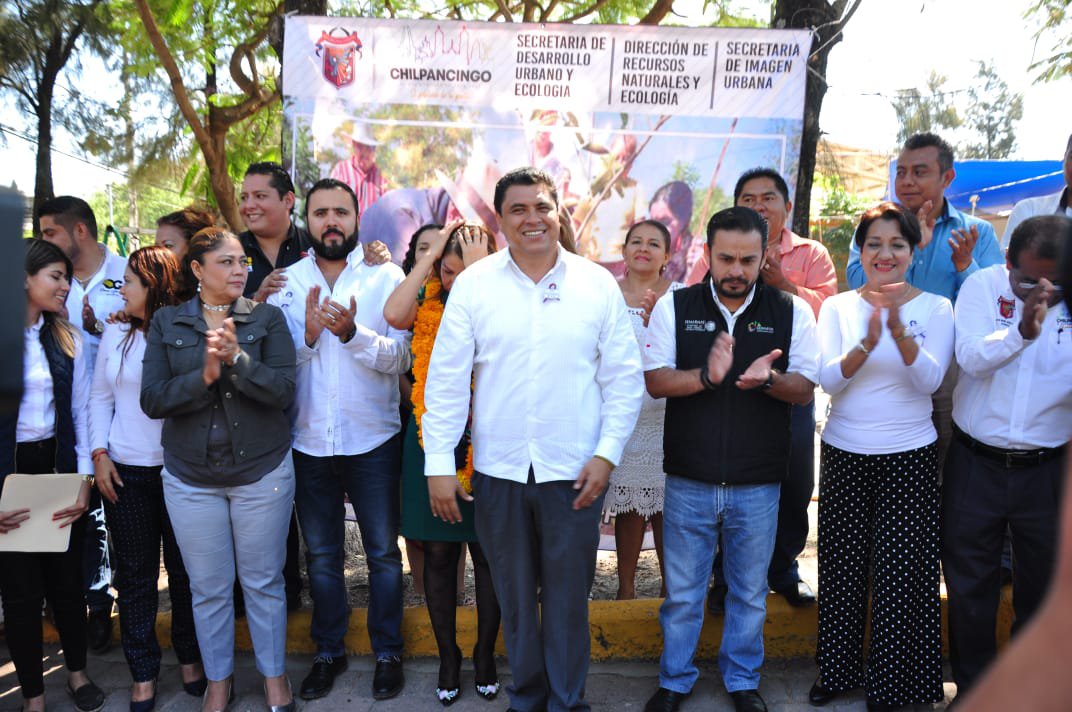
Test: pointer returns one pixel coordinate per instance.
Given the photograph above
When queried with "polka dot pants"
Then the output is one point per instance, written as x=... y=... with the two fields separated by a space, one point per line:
x=878 y=533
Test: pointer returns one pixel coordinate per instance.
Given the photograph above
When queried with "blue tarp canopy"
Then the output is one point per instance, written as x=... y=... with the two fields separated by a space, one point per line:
x=999 y=184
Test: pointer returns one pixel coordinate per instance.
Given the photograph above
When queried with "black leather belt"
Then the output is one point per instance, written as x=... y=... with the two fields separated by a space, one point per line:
x=1010 y=459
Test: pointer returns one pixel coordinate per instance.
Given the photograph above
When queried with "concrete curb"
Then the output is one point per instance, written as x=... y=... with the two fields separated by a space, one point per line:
x=621 y=630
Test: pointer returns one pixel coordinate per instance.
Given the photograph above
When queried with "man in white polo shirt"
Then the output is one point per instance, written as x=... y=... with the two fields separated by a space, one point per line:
x=346 y=432
x=1012 y=415
x=556 y=395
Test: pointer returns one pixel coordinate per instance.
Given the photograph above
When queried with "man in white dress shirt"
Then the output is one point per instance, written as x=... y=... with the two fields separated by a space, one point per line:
x=69 y=224
x=557 y=391
x=346 y=432
x=1012 y=415
x=1059 y=203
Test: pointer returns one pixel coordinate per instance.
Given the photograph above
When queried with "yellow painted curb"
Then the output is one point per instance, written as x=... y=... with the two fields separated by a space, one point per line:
x=621 y=630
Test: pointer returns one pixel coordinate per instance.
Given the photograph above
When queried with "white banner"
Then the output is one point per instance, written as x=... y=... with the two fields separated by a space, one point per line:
x=422 y=117
x=633 y=69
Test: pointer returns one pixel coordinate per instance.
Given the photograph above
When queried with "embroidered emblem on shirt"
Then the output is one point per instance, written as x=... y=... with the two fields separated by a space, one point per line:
x=1006 y=307
x=112 y=284
x=755 y=327
x=699 y=325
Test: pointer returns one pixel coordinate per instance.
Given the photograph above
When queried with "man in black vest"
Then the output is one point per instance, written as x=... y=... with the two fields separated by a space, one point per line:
x=730 y=355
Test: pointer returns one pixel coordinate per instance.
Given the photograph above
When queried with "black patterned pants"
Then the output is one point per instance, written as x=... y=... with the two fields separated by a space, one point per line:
x=879 y=534
x=138 y=523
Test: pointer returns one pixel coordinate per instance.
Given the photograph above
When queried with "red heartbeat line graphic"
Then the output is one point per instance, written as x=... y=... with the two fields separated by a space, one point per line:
x=462 y=44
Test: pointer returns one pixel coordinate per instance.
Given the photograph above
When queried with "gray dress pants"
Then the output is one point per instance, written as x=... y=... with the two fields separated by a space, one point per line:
x=542 y=556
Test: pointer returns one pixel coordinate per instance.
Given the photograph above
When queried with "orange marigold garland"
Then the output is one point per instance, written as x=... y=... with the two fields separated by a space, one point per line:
x=429 y=314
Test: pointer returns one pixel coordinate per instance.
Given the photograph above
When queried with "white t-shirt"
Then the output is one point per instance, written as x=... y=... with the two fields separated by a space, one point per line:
x=886 y=406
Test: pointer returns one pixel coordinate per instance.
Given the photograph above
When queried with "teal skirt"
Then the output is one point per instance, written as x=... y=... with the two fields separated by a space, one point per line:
x=417 y=520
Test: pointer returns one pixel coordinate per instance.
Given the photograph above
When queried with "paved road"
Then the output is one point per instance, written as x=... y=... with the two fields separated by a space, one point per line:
x=611 y=686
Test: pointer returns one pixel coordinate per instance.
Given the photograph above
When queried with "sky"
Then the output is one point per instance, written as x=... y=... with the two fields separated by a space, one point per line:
x=888 y=45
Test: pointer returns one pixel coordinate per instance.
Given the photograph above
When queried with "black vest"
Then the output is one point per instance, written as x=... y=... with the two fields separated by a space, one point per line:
x=61 y=366
x=728 y=435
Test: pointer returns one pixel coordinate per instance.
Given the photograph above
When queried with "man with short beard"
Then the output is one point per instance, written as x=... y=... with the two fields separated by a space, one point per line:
x=730 y=355
x=346 y=432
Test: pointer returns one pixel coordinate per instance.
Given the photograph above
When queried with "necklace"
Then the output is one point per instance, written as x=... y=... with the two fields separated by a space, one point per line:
x=85 y=282
x=425 y=328
x=221 y=308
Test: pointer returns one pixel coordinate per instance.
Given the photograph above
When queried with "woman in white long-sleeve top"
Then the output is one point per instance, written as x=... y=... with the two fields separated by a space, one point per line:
x=885 y=348
x=48 y=434
x=127 y=459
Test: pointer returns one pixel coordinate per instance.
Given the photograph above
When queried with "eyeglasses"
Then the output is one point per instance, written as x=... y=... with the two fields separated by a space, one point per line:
x=1028 y=284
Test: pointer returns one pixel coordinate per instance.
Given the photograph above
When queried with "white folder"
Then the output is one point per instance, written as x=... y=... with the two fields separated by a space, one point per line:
x=42 y=495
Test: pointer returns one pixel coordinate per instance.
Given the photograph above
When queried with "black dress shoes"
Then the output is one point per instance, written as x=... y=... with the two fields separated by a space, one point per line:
x=798 y=595
x=748 y=701
x=321 y=678
x=388 y=679
x=99 y=631
x=716 y=599
x=665 y=700
x=819 y=695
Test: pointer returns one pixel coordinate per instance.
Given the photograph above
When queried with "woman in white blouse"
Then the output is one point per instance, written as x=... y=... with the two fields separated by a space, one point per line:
x=885 y=348
x=127 y=457
x=48 y=434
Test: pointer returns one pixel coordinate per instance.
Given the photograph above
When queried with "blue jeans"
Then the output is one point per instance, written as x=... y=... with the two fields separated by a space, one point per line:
x=218 y=528
x=694 y=514
x=372 y=481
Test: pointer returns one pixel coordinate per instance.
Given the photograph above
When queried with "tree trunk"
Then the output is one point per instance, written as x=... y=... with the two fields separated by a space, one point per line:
x=43 y=189
x=827 y=19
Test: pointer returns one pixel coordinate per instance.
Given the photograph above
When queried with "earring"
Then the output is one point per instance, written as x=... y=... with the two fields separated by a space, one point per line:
x=199 y=287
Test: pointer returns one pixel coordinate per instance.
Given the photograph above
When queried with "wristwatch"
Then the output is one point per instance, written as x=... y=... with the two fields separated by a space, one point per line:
x=98 y=327
x=770 y=379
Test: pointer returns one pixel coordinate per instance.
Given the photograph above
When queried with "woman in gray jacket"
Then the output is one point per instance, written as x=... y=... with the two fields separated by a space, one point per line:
x=219 y=370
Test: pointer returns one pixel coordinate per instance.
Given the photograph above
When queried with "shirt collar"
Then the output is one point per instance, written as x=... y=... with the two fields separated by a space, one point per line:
x=787 y=242
x=724 y=308
x=556 y=268
x=35 y=328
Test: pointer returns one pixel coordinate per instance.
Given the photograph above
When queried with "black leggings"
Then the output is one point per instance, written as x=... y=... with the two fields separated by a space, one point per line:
x=27 y=579
x=441 y=594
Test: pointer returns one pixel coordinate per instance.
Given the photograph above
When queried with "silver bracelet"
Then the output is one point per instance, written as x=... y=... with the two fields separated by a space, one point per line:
x=867 y=351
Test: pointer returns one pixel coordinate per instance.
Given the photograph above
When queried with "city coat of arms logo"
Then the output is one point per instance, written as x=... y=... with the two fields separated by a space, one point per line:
x=338 y=48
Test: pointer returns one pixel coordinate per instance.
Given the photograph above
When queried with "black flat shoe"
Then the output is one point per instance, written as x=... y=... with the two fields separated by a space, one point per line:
x=321 y=678
x=388 y=679
x=665 y=700
x=87 y=698
x=99 y=631
x=748 y=701
x=819 y=695
x=798 y=595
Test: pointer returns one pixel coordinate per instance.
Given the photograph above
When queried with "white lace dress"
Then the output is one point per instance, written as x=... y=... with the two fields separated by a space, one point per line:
x=637 y=484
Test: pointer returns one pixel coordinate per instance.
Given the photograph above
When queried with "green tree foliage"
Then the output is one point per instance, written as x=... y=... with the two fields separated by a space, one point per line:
x=222 y=74
x=992 y=114
x=1053 y=17
x=39 y=40
x=927 y=111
